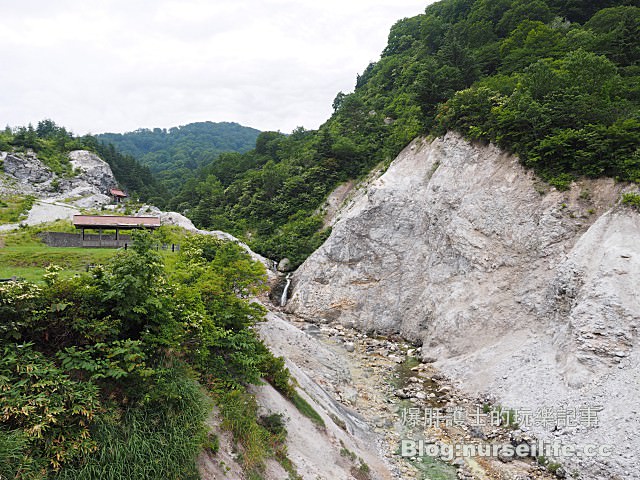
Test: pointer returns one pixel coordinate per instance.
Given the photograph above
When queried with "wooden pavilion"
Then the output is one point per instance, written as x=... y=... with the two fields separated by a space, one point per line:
x=111 y=222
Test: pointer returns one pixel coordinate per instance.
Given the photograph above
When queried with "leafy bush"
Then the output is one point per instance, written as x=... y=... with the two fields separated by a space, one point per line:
x=90 y=378
x=279 y=376
x=52 y=410
x=562 y=181
x=631 y=199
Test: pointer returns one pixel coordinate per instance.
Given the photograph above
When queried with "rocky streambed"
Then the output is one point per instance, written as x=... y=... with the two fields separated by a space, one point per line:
x=397 y=398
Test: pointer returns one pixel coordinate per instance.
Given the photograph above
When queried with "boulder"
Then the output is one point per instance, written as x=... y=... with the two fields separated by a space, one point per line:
x=284 y=265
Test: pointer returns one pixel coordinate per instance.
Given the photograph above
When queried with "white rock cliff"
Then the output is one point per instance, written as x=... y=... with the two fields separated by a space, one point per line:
x=26 y=173
x=515 y=290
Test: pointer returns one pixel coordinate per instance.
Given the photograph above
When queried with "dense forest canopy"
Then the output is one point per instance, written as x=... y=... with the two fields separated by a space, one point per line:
x=173 y=154
x=555 y=81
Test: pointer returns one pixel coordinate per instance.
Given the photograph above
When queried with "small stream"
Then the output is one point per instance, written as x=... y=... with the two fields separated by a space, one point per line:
x=283 y=298
x=376 y=376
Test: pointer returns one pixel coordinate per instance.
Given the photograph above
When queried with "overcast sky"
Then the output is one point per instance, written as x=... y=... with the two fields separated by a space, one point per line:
x=118 y=65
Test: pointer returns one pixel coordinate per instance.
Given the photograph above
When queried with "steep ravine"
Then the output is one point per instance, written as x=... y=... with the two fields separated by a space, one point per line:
x=365 y=387
x=516 y=294
x=514 y=290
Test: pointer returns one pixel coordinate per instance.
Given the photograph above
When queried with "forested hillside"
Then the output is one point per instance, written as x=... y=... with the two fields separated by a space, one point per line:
x=555 y=81
x=173 y=154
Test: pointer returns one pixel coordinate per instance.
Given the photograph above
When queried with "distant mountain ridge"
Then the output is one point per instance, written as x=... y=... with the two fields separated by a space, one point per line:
x=174 y=153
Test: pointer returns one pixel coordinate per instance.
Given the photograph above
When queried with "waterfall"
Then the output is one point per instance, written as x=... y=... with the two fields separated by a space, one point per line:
x=283 y=299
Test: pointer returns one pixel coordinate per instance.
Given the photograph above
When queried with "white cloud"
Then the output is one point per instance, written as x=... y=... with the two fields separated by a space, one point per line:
x=117 y=65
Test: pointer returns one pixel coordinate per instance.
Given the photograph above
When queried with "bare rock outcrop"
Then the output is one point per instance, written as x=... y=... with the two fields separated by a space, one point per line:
x=334 y=450
x=328 y=452
x=26 y=174
x=517 y=291
x=27 y=169
x=92 y=169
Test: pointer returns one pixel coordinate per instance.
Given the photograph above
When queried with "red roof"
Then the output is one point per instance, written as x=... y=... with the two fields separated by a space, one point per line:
x=112 y=221
x=117 y=193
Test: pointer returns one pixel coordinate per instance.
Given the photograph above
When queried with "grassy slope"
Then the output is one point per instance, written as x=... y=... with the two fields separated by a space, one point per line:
x=23 y=255
x=29 y=261
x=14 y=208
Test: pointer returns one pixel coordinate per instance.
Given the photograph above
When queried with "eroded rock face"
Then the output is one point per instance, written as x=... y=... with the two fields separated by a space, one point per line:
x=89 y=187
x=57 y=197
x=526 y=294
x=27 y=168
x=451 y=244
x=93 y=170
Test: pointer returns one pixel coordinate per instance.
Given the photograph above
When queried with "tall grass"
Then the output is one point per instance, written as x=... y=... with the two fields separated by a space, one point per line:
x=307 y=410
x=260 y=437
x=239 y=415
x=14 y=459
x=159 y=440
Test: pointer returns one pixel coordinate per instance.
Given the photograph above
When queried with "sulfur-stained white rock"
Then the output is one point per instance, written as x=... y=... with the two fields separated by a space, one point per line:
x=516 y=290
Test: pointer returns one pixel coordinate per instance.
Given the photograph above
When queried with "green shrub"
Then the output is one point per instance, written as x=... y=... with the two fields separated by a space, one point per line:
x=52 y=410
x=274 y=423
x=562 y=182
x=631 y=199
x=361 y=472
x=278 y=375
x=157 y=438
x=212 y=443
